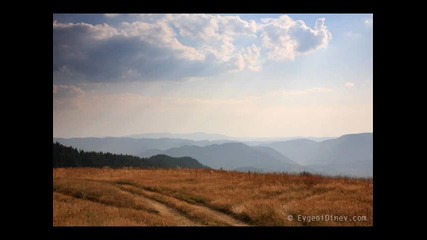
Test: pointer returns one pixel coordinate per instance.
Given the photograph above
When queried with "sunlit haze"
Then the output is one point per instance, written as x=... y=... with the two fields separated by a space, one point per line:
x=245 y=75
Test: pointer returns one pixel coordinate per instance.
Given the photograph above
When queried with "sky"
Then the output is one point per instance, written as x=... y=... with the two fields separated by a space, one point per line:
x=241 y=75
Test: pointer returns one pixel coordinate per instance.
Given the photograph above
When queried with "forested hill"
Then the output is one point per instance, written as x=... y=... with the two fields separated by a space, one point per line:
x=70 y=157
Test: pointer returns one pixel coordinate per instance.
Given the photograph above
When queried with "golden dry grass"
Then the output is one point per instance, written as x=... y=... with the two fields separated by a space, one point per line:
x=135 y=197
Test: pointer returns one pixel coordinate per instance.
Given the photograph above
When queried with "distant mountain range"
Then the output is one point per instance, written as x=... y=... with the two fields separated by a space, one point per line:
x=350 y=155
x=347 y=155
x=200 y=136
x=235 y=156
x=190 y=136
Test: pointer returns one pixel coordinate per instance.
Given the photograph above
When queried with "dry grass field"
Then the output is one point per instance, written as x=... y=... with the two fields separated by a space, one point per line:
x=135 y=197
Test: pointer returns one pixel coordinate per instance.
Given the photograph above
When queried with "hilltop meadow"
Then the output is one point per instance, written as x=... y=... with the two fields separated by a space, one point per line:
x=204 y=197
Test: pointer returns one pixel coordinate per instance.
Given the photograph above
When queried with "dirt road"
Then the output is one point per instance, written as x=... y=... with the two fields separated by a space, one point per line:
x=182 y=212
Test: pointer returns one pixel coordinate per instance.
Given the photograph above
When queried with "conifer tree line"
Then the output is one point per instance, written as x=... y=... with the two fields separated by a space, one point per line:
x=64 y=157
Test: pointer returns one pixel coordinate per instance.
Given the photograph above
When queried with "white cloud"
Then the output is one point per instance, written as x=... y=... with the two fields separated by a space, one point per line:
x=248 y=58
x=67 y=97
x=349 y=84
x=161 y=35
x=214 y=36
x=66 y=91
x=191 y=45
x=284 y=38
x=91 y=32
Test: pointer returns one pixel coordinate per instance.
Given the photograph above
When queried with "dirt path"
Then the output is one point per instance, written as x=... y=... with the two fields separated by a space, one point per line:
x=164 y=210
x=204 y=214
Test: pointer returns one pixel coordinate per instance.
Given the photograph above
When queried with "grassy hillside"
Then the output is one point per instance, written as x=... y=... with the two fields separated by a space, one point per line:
x=184 y=197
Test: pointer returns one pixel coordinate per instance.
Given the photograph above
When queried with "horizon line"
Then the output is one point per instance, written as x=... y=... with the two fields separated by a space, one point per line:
x=246 y=138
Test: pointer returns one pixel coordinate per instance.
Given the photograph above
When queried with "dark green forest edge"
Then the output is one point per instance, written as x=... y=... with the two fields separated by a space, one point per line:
x=64 y=157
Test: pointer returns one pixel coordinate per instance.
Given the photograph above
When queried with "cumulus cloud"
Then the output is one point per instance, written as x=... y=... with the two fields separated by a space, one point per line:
x=66 y=96
x=349 y=84
x=66 y=91
x=180 y=46
x=284 y=39
x=248 y=59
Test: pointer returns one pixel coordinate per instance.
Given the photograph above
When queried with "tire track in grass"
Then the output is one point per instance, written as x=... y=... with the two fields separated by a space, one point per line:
x=164 y=210
x=202 y=214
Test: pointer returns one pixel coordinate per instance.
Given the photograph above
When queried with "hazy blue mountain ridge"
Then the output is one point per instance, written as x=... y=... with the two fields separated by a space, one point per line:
x=350 y=154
